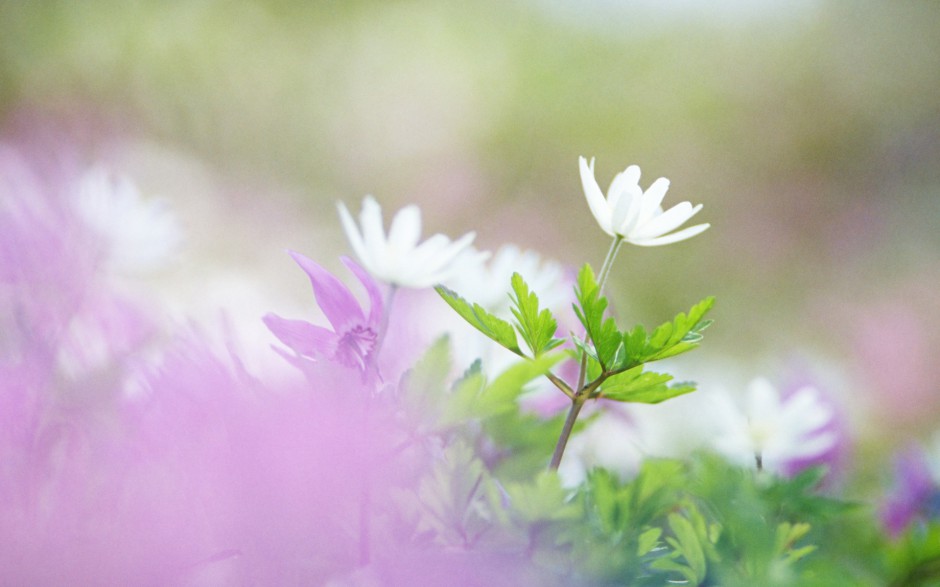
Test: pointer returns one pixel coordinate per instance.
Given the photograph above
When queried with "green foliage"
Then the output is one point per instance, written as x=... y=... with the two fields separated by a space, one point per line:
x=616 y=351
x=692 y=537
x=453 y=501
x=474 y=398
x=537 y=326
x=602 y=333
x=639 y=386
x=914 y=559
x=495 y=328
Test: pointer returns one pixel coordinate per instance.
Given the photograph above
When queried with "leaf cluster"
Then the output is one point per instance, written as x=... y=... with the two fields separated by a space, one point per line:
x=534 y=324
x=615 y=357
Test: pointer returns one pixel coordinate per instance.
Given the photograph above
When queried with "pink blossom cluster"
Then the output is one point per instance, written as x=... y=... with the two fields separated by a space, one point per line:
x=133 y=454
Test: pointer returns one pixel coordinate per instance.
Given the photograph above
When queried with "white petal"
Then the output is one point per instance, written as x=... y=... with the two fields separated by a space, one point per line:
x=373 y=233
x=666 y=222
x=685 y=233
x=355 y=239
x=625 y=210
x=595 y=198
x=624 y=180
x=652 y=198
x=405 y=231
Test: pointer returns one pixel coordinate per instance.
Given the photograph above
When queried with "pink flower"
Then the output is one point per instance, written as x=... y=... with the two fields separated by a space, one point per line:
x=352 y=341
x=914 y=494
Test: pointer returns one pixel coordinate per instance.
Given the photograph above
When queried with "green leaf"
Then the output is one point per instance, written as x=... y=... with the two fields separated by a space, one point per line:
x=648 y=540
x=672 y=338
x=542 y=500
x=590 y=308
x=473 y=398
x=423 y=385
x=453 y=501
x=689 y=545
x=493 y=327
x=537 y=326
x=645 y=387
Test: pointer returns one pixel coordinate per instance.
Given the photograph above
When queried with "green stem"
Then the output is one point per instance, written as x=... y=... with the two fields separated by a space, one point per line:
x=609 y=262
x=582 y=393
x=576 y=405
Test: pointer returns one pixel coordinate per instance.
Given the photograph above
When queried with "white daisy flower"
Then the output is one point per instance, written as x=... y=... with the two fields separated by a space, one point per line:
x=398 y=259
x=634 y=215
x=775 y=431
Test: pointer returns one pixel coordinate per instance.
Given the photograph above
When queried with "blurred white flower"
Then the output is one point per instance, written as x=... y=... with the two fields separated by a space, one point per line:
x=609 y=441
x=775 y=431
x=488 y=284
x=398 y=259
x=635 y=215
x=138 y=234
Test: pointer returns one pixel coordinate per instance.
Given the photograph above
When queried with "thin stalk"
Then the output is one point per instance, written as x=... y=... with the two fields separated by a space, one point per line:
x=576 y=405
x=582 y=393
x=609 y=262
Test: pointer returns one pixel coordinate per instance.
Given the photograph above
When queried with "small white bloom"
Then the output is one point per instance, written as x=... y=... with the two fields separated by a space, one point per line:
x=779 y=431
x=399 y=259
x=487 y=284
x=609 y=441
x=635 y=215
x=139 y=234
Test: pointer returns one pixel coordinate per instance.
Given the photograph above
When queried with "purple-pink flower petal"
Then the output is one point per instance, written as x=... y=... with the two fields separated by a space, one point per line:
x=302 y=337
x=339 y=305
x=372 y=288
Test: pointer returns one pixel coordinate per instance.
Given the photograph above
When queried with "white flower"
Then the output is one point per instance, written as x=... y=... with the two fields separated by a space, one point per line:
x=139 y=234
x=635 y=215
x=609 y=441
x=399 y=259
x=779 y=431
x=487 y=284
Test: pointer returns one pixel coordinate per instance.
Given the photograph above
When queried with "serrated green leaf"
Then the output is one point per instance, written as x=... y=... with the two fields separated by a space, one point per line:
x=648 y=540
x=590 y=308
x=495 y=328
x=543 y=499
x=537 y=326
x=645 y=387
x=689 y=545
x=423 y=384
x=681 y=335
x=473 y=398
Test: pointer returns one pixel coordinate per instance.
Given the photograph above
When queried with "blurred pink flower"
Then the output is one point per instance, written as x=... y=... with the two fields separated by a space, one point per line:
x=915 y=492
x=352 y=341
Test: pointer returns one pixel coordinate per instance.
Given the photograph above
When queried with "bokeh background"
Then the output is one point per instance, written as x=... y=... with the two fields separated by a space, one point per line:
x=809 y=129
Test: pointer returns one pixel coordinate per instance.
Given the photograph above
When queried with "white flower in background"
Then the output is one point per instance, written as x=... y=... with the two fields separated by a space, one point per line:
x=634 y=215
x=138 y=234
x=609 y=441
x=775 y=431
x=488 y=284
x=398 y=259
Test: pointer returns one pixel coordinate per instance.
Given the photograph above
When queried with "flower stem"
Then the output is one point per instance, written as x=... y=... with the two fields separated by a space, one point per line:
x=581 y=394
x=576 y=403
x=609 y=262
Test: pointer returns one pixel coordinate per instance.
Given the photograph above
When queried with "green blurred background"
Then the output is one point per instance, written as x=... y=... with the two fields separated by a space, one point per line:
x=810 y=131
